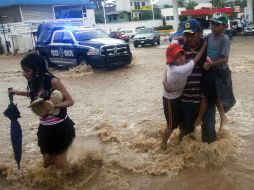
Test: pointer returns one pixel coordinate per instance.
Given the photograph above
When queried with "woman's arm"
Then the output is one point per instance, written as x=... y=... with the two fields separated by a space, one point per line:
x=19 y=92
x=67 y=99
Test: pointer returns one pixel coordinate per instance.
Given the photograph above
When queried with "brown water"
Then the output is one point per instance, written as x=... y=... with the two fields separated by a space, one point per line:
x=119 y=119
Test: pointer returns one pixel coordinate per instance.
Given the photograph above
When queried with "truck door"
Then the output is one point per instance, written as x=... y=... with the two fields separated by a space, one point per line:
x=55 y=46
x=68 y=50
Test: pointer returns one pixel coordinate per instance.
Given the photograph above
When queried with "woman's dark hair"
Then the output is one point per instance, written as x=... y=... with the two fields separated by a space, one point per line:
x=37 y=64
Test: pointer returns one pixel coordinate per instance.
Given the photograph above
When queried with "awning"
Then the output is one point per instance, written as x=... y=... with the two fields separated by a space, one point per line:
x=208 y=11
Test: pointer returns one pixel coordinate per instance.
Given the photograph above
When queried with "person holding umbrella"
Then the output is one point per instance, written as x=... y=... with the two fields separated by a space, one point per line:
x=56 y=130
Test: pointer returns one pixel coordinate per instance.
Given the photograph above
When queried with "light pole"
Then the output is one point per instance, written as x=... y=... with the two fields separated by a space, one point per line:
x=103 y=4
x=152 y=4
x=2 y=24
x=175 y=13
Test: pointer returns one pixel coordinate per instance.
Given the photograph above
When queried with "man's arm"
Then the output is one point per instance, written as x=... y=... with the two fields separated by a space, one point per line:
x=200 y=53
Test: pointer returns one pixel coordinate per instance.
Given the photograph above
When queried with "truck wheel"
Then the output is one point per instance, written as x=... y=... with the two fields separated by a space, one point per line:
x=136 y=45
x=158 y=42
x=82 y=62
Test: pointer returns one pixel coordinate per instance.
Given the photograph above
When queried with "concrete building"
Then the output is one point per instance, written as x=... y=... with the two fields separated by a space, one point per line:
x=138 y=7
x=118 y=17
x=21 y=17
x=168 y=14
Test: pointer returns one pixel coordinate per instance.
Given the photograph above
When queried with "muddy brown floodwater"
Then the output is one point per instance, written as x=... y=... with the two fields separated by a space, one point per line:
x=119 y=118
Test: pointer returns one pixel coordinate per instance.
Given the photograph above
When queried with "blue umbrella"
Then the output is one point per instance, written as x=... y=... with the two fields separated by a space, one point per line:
x=13 y=114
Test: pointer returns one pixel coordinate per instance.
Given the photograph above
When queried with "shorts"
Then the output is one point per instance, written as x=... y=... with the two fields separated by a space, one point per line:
x=172 y=111
x=55 y=139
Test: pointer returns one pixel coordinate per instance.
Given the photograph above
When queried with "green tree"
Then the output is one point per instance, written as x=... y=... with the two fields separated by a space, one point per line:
x=181 y=3
x=191 y=5
x=146 y=15
x=167 y=6
x=218 y=3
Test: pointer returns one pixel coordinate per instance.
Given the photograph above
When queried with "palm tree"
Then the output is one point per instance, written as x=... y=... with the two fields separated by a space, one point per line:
x=218 y=3
x=191 y=5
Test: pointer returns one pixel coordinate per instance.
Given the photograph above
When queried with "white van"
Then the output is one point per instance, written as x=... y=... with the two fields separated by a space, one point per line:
x=129 y=32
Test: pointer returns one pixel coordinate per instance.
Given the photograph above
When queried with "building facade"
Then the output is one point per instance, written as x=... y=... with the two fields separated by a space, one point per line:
x=138 y=7
x=118 y=17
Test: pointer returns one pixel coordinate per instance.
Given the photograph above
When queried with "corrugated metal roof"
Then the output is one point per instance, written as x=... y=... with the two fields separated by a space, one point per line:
x=6 y=3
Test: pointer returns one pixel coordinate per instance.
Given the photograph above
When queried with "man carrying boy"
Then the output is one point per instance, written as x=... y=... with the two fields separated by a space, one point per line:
x=192 y=92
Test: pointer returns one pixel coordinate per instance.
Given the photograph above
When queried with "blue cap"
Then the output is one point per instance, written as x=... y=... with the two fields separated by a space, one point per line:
x=191 y=26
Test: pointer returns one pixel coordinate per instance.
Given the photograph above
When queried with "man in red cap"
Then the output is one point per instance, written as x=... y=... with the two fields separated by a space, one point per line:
x=177 y=72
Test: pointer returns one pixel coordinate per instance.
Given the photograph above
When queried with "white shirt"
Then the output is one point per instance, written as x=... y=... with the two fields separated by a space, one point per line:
x=177 y=77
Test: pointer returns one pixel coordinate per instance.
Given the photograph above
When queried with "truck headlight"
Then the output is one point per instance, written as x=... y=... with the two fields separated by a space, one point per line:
x=93 y=51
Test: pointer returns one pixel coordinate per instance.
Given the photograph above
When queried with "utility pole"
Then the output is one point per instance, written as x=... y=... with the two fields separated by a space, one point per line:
x=103 y=4
x=175 y=13
x=2 y=24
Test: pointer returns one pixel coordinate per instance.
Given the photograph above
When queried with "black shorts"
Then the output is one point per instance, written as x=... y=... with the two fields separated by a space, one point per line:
x=55 y=139
x=172 y=111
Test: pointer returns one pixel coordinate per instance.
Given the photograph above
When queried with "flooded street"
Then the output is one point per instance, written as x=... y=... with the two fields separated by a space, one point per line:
x=119 y=119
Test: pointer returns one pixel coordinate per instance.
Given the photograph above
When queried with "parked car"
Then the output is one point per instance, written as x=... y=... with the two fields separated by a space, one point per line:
x=173 y=35
x=129 y=32
x=249 y=30
x=75 y=46
x=206 y=31
x=146 y=36
x=119 y=35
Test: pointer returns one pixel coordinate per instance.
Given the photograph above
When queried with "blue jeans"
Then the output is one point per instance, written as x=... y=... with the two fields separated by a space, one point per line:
x=208 y=129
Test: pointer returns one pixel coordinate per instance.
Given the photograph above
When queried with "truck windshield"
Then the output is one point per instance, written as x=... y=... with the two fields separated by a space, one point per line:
x=145 y=30
x=82 y=35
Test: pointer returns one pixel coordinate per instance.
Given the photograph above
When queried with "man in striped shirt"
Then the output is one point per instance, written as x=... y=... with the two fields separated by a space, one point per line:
x=192 y=92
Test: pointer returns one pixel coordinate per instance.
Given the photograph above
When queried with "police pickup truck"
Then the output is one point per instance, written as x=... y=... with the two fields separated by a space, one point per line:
x=78 y=45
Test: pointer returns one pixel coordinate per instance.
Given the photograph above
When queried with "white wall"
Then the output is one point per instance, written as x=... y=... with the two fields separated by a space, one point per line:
x=169 y=11
x=203 y=5
x=129 y=25
x=123 y=5
x=90 y=19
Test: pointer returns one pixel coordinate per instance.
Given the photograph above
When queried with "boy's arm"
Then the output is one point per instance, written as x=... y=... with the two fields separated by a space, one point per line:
x=200 y=53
